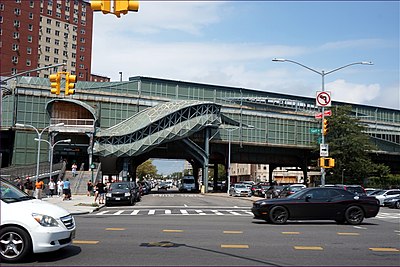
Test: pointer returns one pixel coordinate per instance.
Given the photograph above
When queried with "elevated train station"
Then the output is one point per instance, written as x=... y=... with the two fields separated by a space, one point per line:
x=122 y=124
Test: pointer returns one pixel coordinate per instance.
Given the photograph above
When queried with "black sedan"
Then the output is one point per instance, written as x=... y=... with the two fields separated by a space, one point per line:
x=122 y=192
x=317 y=204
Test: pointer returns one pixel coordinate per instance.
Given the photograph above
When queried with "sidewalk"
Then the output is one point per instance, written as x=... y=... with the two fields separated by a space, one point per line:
x=79 y=204
x=82 y=204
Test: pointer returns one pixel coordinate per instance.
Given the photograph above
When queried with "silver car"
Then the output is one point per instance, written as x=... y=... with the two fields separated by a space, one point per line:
x=240 y=190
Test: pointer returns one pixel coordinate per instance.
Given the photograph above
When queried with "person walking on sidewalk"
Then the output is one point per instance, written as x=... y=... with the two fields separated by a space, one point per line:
x=60 y=186
x=39 y=188
x=28 y=185
x=52 y=187
x=89 y=188
x=67 y=190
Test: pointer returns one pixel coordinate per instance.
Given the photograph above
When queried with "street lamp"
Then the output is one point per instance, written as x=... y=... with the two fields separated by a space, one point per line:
x=39 y=139
x=343 y=176
x=52 y=151
x=323 y=74
x=230 y=130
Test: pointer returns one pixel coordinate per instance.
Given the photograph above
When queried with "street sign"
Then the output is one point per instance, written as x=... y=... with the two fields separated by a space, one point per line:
x=315 y=130
x=327 y=113
x=323 y=150
x=323 y=99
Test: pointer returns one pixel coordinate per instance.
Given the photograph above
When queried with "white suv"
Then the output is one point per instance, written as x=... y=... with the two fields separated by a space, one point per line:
x=29 y=225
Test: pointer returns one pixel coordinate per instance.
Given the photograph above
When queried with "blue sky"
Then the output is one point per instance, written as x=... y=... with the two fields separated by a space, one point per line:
x=232 y=43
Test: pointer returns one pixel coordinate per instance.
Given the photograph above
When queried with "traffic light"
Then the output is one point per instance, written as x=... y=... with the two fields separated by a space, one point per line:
x=70 y=84
x=55 y=80
x=325 y=127
x=326 y=163
x=123 y=6
x=101 y=5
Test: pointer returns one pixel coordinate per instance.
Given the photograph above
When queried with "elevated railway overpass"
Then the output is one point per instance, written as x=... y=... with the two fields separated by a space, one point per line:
x=122 y=124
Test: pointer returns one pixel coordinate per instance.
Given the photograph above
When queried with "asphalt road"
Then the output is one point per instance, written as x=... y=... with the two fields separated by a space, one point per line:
x=191 y=230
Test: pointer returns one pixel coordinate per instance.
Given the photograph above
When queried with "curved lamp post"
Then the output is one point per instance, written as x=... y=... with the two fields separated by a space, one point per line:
x=323 y=74
x=39 y=139
x=52 y=150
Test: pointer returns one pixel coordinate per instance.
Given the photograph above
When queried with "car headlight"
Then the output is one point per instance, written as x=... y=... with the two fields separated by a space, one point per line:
x=109 y=195
x=45 y=220
x=127 y=194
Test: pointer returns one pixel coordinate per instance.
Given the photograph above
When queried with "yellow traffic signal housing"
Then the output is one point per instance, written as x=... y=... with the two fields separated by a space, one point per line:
x=70 y=84
x=325 y=127
x=326 y=163
x=55 y=80
x=101 y=5
x=123 y=6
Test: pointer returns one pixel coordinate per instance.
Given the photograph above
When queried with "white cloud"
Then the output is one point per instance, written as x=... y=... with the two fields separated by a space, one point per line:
x=352 y=93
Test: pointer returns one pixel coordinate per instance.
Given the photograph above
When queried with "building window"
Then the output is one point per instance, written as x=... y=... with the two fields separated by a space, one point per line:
x=56 y=51
x=82 y=40
x=82 y=58
x=16 y=23
x=67 y=8
x=49 y=21
x=57 y=42
x=32 y=4
x=65 y=35
x=17 y=11
x=16 y=35
x=75 y=20
x=30 y=27
x=13 y=71
x=73 y=55
x=57 y=33
x=28 y=62
x=58 y=24
x=66 y=17
x=48 y=30
x=48 y=40
x=82 y=31
x=65 y=53
x=83 y=22
x=55 y=60
x=80 y=75
x=58 y=15
x=75 y=28
x=15 y=47
x=46 y=58
x=49 y=12
x=74 y=46
x=47 y=49
x=1 y=6
x=29 y=50
x=14 y=59
x=29 y=39
x=82 y=49
x=66 y=26
x=73 y=64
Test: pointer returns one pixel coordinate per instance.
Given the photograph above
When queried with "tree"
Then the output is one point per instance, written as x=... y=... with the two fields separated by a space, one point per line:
x=349 y=146
x=146 y=169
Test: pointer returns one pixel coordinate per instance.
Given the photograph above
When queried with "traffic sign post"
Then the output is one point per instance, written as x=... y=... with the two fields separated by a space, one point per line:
x=327 y=113
x=315 y=130
x=324 y=150
x=323 y=99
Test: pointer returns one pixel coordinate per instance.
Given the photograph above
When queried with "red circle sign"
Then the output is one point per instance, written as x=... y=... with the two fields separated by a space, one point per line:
x=323 y=99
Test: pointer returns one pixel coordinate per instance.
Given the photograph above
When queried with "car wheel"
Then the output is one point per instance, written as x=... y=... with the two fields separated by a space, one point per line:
x=15 y=244
x=278 y=215
x=397 y=204
x=354 y=215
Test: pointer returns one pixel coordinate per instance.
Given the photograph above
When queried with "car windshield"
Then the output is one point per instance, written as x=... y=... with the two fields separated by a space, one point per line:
x=10 y=193
x=379 y=193
x=188 y=181
x=116 y=186
x=240 y=186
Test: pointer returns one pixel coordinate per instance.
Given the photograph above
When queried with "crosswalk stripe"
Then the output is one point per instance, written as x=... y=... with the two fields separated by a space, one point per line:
x=216 y=212
x=200 y=212
x=184 y=212
x=151 y=212
x=119 y=212
x=135 y=212
x=168 y=212
x=233 y=212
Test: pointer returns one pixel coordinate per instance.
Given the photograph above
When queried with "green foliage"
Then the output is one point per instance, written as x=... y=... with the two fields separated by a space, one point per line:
x=389 y=181
x=146 y=170
x=349 y=146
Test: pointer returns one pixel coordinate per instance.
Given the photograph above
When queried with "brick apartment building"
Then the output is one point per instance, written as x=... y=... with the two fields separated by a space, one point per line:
x=40 y=33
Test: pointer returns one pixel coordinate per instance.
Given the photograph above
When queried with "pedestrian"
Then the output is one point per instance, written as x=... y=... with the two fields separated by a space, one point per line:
x=101 y=189
x=60 y=186
x=28 y=185
x=74 y=167
x=67 y=190
x=89 y=188
x=39 y=185
x=19 y=184
x=52 y=187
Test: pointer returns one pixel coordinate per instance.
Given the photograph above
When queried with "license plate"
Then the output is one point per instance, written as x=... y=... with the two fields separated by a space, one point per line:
x=117 y=198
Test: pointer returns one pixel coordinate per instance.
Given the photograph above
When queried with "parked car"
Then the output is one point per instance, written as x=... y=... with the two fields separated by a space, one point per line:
x=29 y=225
x=382 y=195
x=291 y=189
x=369 y=191
x=240 y=190
x=162 y=186
x=317 y=203
x=122 y=192
x=392 y=202
x=356 y=189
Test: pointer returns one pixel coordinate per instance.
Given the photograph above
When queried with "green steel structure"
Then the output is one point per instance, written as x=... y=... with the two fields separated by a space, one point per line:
x=121 y=124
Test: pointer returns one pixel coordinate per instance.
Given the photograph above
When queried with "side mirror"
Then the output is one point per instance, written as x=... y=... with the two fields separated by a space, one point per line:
x=308 y=197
